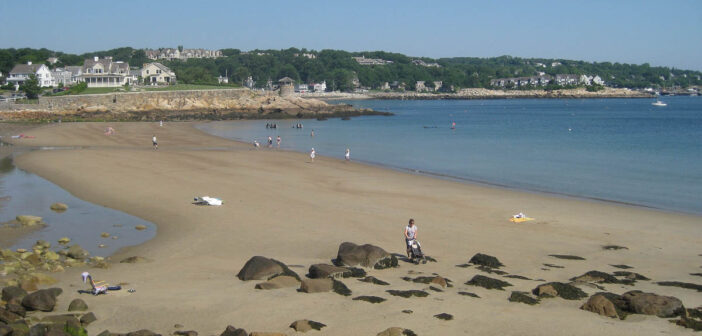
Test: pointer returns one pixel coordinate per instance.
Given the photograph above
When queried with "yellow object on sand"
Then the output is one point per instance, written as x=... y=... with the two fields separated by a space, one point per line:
x=519 y=220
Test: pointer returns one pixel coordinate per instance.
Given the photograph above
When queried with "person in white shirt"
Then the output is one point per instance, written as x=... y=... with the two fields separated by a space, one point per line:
x=313 y=154
x=410 y=234
x=348 y=154
x=155 y=143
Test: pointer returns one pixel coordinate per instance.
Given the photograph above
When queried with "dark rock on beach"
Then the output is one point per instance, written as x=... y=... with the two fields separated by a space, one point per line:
x=307 y=325
x=653 y=304
x=7 y=316
x=559 y=289
x=614 y=247
x=696 y=274
x=438 y=280
x=695 y=325
x=262 y=268
x=565 y=256
x=233 y=331
x=281 y=281
x=488 y=283
x=630 y=276
x=469 y=294
x=44 y=300
x=340 y=288
x=367 y=255
x=13 y=294
x=686 y=285
x=553 y=266
x=597 y=277
x=622 y=266
x=134 y=260
x=523 y=297
x=485 y=260
x=77 y=305
x=186 y=333
x=16 y=309
x=408 y=293
x=316 y=285
x=515 y=276
x=318 y=271
x=607 y=304
x=444 y=316
x=396 y=331
x=370 y=298
x=491 y=270
x=88 y=319
x=145 y=332
x=374 y=280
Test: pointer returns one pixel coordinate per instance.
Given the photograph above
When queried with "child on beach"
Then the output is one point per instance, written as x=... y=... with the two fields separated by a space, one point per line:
x=348 y=155
x=155 y=143
x=312 y=154
x=277 y=141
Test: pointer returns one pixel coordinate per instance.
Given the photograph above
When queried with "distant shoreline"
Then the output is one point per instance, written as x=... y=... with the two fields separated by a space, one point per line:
x=466 y=94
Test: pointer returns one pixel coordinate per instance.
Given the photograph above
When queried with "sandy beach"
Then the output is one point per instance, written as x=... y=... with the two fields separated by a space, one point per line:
x=279 y=205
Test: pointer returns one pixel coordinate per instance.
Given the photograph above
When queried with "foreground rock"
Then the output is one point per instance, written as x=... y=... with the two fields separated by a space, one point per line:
x=523 y=297
x=639 y=302
x=77 y=305
x=262 y=268
x=367 y=255
x=374 y=280
x=407 y=293
x=485 y=260
x=607 y=304
x=233 y=331
x=306 y=325
x=396 y=331
x=29 y=220
x=43 y=300
x=13 y=294
x=559 y=289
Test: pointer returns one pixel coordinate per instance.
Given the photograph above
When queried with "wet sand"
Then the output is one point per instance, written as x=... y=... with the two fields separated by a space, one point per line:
x=279 y=205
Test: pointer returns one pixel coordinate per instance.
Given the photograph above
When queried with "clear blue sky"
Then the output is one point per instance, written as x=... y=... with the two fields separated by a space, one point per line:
x=659 y=32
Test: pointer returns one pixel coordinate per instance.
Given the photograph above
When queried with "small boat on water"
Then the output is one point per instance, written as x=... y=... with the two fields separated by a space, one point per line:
x=659 y=103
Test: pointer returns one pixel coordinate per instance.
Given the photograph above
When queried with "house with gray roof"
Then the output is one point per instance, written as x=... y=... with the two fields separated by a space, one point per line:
x=157 y=74
x=21 y=72
x=105 y=72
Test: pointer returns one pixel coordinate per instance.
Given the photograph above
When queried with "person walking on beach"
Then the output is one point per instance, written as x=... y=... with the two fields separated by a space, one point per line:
x=277 y=141
x=160 y=123
x=313 y=154
x=347 y=156
x=270 y=142
x=312 y=133
x=155 y=143
x=410 y=234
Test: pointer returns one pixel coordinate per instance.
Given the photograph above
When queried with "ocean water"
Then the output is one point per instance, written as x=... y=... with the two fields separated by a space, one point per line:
x=622 y=150
x=23 y=193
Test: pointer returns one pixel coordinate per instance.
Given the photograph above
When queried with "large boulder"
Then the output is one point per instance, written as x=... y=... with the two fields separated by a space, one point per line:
x=485 y=260
x=44 y=300
x=367 y=255
x=233 y=331
x=13 y=294
x=317 y=285
x=282 y=281
x=653 y=304
x=77 y=305
x=606 y=304
x=77 y=252
x=262 y=268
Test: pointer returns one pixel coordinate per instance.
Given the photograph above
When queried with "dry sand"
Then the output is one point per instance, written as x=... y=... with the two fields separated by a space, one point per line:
x=279 y=205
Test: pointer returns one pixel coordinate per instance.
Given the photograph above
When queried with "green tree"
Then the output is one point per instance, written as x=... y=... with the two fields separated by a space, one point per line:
x=138 y=58
x=31 y=87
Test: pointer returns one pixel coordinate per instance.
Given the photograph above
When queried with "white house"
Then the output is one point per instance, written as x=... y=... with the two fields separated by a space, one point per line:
x=597 y=80
x=585 y=79
x=61 y=76
x=21 y=73
x=320 y=87
x=76 y=71
x=302 y=88
x=222 y=79
x=105 y=72
x=156 y=73
x=249 y=82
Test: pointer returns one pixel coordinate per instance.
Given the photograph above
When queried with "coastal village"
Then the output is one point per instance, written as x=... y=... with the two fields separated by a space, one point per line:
x=108 y=72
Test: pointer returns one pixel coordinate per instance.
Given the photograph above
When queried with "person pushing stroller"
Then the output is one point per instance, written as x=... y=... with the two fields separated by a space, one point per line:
x=414 y=250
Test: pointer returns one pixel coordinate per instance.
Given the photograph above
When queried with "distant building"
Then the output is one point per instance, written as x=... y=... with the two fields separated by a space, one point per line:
x=585 y=79
x=308 y=55
x=157 y=74
x=425 y=64
x=76 y=71
x=438 y=85
x=555 y=64
x=302 y=88
x=371 y=61
x=52 y=60
x=521 y=81
x=21 y=72
x=222 y=79
x=567 y=79
x=287 y=86
x=419 y=86
x=104 y=72
x=62 y=76
x=320 y=87
x=176 y=54
x=385 y=86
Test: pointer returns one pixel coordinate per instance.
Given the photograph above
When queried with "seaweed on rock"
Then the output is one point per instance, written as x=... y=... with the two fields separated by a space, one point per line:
x=487 y=282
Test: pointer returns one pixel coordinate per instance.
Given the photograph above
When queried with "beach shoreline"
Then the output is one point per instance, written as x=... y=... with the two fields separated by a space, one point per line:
x=279 y=205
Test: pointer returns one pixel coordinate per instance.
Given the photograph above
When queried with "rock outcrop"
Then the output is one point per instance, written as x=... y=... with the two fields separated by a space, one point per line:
x=262 y=268
x=367 y=255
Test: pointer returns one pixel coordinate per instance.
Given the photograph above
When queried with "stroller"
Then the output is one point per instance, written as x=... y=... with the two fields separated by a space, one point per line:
x=416 y=251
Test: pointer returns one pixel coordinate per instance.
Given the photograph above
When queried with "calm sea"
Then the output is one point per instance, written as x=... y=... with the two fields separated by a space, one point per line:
x=623 y=150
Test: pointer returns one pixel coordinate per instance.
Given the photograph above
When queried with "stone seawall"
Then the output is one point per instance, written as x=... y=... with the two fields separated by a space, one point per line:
x=174 y=105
